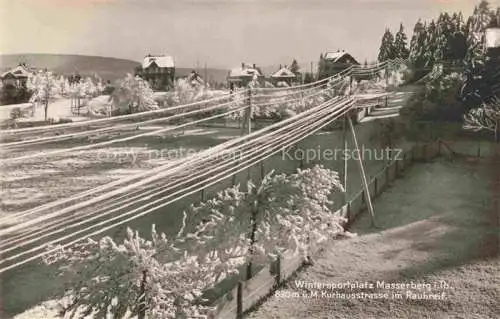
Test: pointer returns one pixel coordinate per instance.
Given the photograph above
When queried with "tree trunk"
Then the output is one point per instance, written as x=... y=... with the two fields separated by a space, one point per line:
x=142 y=297
x=497 y=131
x=253 y=233
x=46 y=108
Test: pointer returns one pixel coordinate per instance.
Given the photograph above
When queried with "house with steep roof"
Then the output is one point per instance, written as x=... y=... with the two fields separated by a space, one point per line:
x=241 y=76
x=18 y=76
x=159 y=71
x=335 y=62
x=284 y=74
x=492 y=38
x=492 y=41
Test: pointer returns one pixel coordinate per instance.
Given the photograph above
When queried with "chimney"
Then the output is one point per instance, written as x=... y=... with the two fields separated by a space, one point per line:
x=254 y=65
x=242 y=65
x=280 y=66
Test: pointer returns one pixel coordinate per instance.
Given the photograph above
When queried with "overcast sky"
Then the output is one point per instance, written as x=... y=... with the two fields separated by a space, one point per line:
x=222 y=33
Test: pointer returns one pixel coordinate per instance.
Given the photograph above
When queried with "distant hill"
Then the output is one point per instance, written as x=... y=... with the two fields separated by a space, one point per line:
x=86 y=65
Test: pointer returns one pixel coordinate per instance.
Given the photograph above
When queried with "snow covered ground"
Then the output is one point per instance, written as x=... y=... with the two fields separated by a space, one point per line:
x=436 y=226
x=61 y=108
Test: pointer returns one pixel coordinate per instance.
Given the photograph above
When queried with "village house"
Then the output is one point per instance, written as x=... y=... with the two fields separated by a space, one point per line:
x=284 y=74
x=18 y=76
x=240 y=77
x=335 y=62
x=159 y=71
x=492 y=40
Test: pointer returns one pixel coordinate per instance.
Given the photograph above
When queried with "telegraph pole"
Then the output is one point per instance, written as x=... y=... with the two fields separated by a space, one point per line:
x=206 y=76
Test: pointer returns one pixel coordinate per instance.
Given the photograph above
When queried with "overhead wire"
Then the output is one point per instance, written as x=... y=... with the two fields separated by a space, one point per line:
x=99 y=231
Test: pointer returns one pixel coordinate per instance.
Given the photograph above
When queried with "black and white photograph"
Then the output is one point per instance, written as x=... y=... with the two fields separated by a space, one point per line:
x=257 y=159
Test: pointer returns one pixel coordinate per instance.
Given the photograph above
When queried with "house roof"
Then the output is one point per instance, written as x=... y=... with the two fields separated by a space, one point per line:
x=243 y=72
x=493 y=38
x=283 y=73
x=161 y=61
x=335 y=56
x=17 y=72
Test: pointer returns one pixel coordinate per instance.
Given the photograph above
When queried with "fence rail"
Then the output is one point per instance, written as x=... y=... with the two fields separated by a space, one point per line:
x=247 y=294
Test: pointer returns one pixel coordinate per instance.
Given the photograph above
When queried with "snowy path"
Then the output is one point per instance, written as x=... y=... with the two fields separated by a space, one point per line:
x=435 y=225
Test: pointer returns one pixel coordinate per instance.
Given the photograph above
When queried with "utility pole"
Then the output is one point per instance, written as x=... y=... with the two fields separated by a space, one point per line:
x=366 y=189
x=206 y=75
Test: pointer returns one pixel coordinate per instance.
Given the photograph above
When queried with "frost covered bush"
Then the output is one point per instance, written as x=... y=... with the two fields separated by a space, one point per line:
x=278 y=105
x=281 y=212
x=185 y=92
x=138 y=276
x=485 y=117
x=297 y=213
x=438 y=101
x=133 y=95
x=162 y=278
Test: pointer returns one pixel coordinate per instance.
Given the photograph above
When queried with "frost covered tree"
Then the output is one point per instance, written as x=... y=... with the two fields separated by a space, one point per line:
x=162 y=278
x=476 y=26
x=64 y=85
x=417 y=44
x=281 y=212
x=45 y=88
x=387 y=50
x=298 y=213
x=401 y=44
x=133 y=95
x=295 y=68
x=138 y=277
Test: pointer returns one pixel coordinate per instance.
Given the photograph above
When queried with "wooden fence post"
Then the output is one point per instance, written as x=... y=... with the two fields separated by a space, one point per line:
x=344 y=168
x=247 y=119
x=348 y=213
x=142 y=299
x=239 y=301
x=375 y=186
x=387 y=173
x=386 y=84
x=362 y=173
x=278 y=270
x=203 y=194
x=262 y=170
